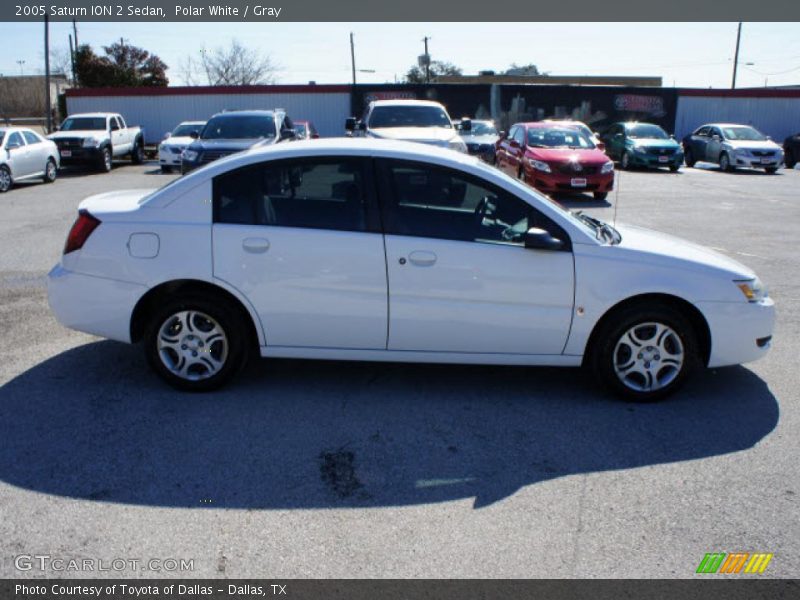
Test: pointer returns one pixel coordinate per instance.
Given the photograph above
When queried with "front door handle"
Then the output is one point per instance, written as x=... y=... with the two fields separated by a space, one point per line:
x=422 y=258
x=255 y=245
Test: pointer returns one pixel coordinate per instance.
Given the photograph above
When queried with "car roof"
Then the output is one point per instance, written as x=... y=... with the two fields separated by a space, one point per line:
x=93 y=115
x=192 y=122
x=725 y=125
x=552 y=123
x=247 y=113
x=406 y=103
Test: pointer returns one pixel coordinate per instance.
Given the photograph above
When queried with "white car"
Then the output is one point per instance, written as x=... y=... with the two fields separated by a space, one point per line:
x=421 y=121
x=24 y=154
x=97 y=139
x=354 y=249
x=175 y=142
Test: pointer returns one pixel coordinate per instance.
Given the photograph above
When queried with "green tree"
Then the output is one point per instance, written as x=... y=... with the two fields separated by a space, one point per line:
x=123 y=65
x=438 y=67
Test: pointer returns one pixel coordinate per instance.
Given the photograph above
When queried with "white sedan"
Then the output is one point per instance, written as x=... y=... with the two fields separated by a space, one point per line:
x=175 y=142
x=24 y=154
x=358 y=249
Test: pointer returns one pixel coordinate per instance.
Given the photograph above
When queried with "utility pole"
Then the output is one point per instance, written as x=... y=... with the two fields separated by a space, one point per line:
x=736 y=55
x=21 y=63
x=48 y=106
x=75 y=32
x=427 y=60
x=353 y=57
x=72 y=59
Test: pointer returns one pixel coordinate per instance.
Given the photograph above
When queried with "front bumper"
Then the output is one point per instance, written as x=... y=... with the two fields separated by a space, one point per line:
x=94 y=305
x=80 y=155
x=575 y=182
x=738 y=330
x=168 y=158
x=653 y=161
x=757 y=162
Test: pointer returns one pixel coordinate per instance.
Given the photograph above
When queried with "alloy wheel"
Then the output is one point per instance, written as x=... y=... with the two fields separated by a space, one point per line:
x=192 y=345
x=648 y=357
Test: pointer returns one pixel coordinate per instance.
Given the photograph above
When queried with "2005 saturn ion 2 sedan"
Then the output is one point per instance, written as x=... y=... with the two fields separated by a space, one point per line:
x=366 y=249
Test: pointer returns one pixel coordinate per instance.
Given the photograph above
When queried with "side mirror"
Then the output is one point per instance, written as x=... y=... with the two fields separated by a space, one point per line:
x=194 y=135
x=168 y=135
x=288 y=134
x=350 y=124
x=55 y=128
x=540 y=239
x=314 y=136
x=466 y=124
x=715 y=137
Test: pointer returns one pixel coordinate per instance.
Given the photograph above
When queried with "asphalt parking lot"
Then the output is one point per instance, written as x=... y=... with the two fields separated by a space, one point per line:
x=329 y=469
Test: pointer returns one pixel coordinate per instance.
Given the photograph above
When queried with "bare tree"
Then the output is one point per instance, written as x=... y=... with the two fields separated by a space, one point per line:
x=234 y=65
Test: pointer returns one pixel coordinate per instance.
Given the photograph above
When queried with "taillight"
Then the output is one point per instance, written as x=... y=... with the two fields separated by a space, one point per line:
x=83 y=227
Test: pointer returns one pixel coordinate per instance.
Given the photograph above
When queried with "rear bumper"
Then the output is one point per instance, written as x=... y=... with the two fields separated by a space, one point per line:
x=94 y=305
x=739 y=330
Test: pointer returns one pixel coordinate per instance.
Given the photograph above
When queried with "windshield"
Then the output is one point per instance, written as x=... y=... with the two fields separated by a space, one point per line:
x=186 y=129
x=85 y=123
x=558 y=137
x=409 y=116
x=481 y=128
x=746 y=134
x=239 y=127
x=646 y=131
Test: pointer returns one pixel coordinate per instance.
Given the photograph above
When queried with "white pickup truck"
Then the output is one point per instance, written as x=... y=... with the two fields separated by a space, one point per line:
x=97 y=139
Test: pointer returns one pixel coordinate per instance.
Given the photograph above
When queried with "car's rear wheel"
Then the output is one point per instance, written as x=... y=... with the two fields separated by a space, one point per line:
x=5 y=179
x=725 y=162
x=600 y=195
x=688 y=158
x=674 y=168
x=644 y=353
x=137 y=154
x=50 y=171
x=196 y=343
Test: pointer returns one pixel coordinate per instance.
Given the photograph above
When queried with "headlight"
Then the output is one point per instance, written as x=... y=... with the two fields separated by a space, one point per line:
x=457 y=145
x=640 y=149
x=539 y=165
x=607 y=168
x=741 y=152
x=189 y=155
x=752 y=289
x=90 y=142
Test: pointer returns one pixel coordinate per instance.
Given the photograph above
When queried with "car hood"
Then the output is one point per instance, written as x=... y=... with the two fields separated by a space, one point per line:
x=654 y=143
x=480 y=139
x=562 y=155
x=78 y=133
x=765 y=145
x=431 y=135
x=225 y=144
x=178 y=141
x=665 y=247
x=121 y=201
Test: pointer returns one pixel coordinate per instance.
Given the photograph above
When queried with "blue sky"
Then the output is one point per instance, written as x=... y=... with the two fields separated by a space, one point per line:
x=684 y=54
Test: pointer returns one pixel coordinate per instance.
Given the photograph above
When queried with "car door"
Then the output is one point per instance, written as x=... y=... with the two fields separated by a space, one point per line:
x=301 y=240
x=698 y=142
x=502 y=149
x=17 y=155
x=516 y=151
x=615 y=142
x=119 y=143
x=460 y=278
x=37 y=151
x=714 y=145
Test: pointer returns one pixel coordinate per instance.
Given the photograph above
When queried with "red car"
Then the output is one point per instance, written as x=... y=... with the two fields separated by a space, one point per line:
x=555 y=158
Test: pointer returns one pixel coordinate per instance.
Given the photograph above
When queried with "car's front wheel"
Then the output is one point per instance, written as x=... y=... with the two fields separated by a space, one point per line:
x=625 y=161
x=106 y=160
x=771 y=170
x=688 y=158
x=195 y=343
x=725 y=163
x=644 y=353
x=600 y=195
x=790 y=159
x=166 y=169
x=5 y=179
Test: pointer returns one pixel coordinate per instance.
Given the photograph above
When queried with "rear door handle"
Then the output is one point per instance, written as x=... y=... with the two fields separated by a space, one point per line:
x=255 y=245
x=422 y=258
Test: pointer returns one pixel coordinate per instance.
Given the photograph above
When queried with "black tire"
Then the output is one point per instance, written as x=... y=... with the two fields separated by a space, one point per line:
x=137 y=154
x=625 y=161
x=688 y=158
x=106 y=159
x=600 y=195
x=771 y=170
x=725 y=163
x=166 y=169
x=232 y=350
x=790 y=159
x=6 y=181
x=610 y=345
x=674 y=168
x=50 y=171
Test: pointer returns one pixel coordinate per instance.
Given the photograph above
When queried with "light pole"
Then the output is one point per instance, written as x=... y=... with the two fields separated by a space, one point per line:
x=736 y=55
x=20 y=63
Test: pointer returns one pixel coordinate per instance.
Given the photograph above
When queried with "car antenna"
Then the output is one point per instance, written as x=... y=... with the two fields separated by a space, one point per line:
x=616 y=198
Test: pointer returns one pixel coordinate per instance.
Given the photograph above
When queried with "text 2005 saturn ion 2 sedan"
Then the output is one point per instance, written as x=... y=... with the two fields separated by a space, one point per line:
x=393 y=251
